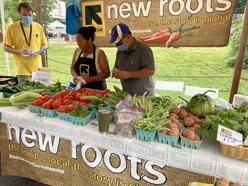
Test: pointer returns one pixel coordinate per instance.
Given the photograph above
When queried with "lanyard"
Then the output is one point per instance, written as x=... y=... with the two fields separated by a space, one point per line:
x=30 y=34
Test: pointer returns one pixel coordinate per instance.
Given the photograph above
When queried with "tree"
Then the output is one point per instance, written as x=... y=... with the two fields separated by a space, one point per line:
x=10 y=7
x=234 y=45
x=240 y=6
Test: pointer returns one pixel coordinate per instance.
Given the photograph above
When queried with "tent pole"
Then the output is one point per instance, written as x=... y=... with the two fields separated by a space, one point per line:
x=240 y=57
x=6 y=57
x=38 y=4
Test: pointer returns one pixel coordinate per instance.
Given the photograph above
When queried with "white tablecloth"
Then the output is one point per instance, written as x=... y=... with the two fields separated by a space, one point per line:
x=207 y=160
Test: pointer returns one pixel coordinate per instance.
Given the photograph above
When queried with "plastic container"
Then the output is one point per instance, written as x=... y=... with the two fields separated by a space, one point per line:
x=145 y=135
x=81 y=121
x=167 y=139
x=64 y=116
x=48 y=113
x=7 y=95
x=190 y=143
x=7 y=79
x=34 y=109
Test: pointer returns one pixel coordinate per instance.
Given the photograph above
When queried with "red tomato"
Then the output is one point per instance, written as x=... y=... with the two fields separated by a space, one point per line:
x=67 y=102
x=61 y=108
x=78 y=95
x=70 y=97
x=50 y=101
x=70 y=108
x=63 y=93
x=47 y=105
x=56 y=96
x=56 y=104
x=38 y=102
x=73 y=93
x=46 y=97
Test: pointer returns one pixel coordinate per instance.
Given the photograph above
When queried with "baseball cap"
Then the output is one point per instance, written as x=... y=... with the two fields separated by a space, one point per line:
x=118 y=31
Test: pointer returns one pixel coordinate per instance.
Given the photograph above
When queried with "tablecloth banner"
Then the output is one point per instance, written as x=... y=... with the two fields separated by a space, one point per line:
x=62 y=148
x=55 y=161
x=200 y=23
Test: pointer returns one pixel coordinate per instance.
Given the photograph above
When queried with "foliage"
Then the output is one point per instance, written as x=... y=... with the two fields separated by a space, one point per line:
x=11 y=12
x=234 y=45
x=240 y=7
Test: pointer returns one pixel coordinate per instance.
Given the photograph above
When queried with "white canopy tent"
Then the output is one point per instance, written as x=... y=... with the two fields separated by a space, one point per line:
x=56 y=24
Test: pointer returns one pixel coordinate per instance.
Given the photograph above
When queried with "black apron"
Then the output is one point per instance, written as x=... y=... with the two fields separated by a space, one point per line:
x=87 y=67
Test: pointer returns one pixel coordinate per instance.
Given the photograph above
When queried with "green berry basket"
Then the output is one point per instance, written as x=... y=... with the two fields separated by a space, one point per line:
x=7 y=95
x=81 y=121
x=34 y=109
x=48 y=113
x=190 y=143
x=64 y=116
x=167 y=139
x=144 y=135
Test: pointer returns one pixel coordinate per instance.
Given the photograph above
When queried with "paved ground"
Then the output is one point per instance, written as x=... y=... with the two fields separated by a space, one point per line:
x=17 y=181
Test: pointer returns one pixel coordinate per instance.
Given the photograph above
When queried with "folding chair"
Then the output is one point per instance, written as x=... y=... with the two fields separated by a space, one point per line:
x=192 y=90
x=169 y=86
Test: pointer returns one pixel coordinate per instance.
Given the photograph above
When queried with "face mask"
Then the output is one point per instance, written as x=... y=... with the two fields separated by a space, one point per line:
x=27 y=20
x=122 y=47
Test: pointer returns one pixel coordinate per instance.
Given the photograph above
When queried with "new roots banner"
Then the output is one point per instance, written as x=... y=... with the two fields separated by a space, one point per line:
x=55 y=161
x=189 y=23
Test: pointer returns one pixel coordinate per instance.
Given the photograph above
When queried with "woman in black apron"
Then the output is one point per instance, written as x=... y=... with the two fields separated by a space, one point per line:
x=89 y=62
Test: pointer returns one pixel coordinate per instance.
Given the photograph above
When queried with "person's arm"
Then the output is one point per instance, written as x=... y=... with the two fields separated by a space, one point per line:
x=8 y=45
x=123 y=74
x=73 y=73
x=13 y=50
x=104 y=66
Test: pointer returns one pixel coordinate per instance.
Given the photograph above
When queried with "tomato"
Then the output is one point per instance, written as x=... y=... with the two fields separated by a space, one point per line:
x=73 y=93
x=50 y=101
x=70 y=108
x=76 y=105
x=67 y=102
x=47 y=105
x=38 y=102
x=56 y=104
x=56 y=96
x=70 y=97
x=46 y=97
x=63 y=93
x=78 y=95
x=61 y=108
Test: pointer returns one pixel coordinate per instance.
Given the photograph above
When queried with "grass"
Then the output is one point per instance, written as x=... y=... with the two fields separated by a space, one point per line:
x=204 y=67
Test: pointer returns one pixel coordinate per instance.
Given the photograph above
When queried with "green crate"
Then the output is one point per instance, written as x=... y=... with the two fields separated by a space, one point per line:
x=81 y=121
x=145 y=135
x=64 y=116
x=167 y=139
x=34 y=109
x=190 y=143
x=48 y=113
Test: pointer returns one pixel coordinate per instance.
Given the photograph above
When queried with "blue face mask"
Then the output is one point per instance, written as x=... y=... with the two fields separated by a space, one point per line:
x=122 y=47
x=27 y=20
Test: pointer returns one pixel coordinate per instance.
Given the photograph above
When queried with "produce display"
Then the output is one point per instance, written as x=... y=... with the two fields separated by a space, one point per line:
x=235 y=119
x=174 y=123
x=201 y=104
x=156 y=111
x=23 y=86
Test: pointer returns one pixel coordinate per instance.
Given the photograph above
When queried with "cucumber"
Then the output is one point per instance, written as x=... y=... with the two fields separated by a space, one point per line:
x=23 y=95
x=5 y=102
